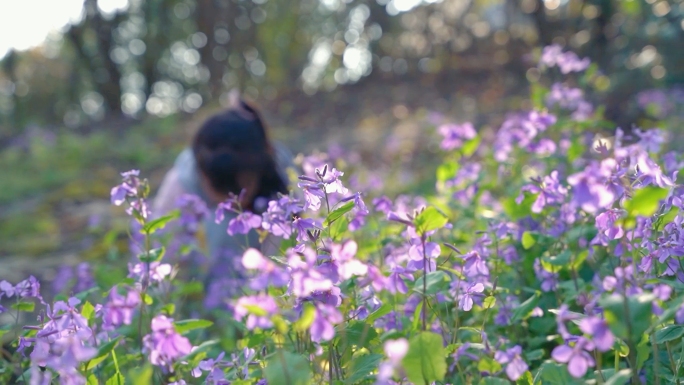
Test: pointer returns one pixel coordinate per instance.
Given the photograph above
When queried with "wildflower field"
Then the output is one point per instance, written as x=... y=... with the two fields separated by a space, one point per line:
x=549 y=253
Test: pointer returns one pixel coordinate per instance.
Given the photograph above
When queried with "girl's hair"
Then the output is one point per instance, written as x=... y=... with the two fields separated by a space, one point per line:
x=235 y=141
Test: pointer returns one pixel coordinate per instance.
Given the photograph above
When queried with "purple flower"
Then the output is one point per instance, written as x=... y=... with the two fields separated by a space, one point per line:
x=549 y=280
x=332 y=183
x=515 y=365
x=157 y=271
x=590 y=189
x=313 y=193
x=549 y=192
x=567 y=62
x=258 y=309
x=305 y=278
x=382 y=204
x=474 y=265
x=599 y=332
x=455 y=134
x=243 y=223
x=416 y=252
x=193 y=211
x=119 y=310
x=302 y=225
x=577 y=357
x=395 y=350
x=466 y=300
x=164 y=345
x=395 y=282
x=210 y=365
x=322 y=328
x=268 y=272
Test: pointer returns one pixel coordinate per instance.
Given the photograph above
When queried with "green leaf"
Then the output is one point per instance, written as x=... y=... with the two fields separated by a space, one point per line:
x=141 y=376
x=488 y=365
x=417 y=315
x=190 y=288
x=87 y=311
x=356 y=333
x=92 y=380
x=425 y=361
x=552 y=373
x=638 y=314
x=494 y=381
x=519 y=211
x=534 y=355
x=24 y=306
x=116 y=379
x=307 y=318
x=169 y=308
x=202 y=348
x=147 y=299
x=362 y=367
x=102 y=353
x=471 y=146
x=645 y=201
x=523 y=311
x=155 y=255
x=185 y=326
x=619 y=378
x=430 y=219
x=256 y=310
x=435 y=281
x=528 y=240
x=385 y=309
x=447 y=171
x=489 y=302
x=338 y=228
x=669 y=333
x=338 y=212
x=526 y=379
x=285 y=368
x=157 y=224
x=643 y=351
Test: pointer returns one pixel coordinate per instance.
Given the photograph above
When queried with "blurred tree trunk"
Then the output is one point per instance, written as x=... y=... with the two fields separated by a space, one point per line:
x=9 y=64
x=211 y=14
x=103 y=71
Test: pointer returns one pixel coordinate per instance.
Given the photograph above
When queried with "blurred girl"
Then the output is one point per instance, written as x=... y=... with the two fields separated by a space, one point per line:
x=230 y=154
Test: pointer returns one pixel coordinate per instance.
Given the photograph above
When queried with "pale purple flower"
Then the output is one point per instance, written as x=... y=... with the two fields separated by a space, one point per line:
x=577 y=357
x=395 y=282
x=119 y=310
x=243 y=223
x=474 y=265
x=268 y=273
x=548 y=279
x=322 y=328
x=599 y=332
x=301 y=225
x=193 y=210
x=590 y=190
x=567 y=62
x=455 y=134
x=258 y=309
x=548 y=189
x=164 y=345
x=210 y=365
x=332 y=182
x=466 y=300
x=512 y=358
x=157 y=271
x=382 y=204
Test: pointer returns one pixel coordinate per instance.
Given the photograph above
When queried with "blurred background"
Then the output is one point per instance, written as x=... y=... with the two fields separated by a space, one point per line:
x=90 y=88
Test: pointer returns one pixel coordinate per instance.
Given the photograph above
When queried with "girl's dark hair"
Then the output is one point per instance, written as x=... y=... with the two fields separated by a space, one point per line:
x=235 y=141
